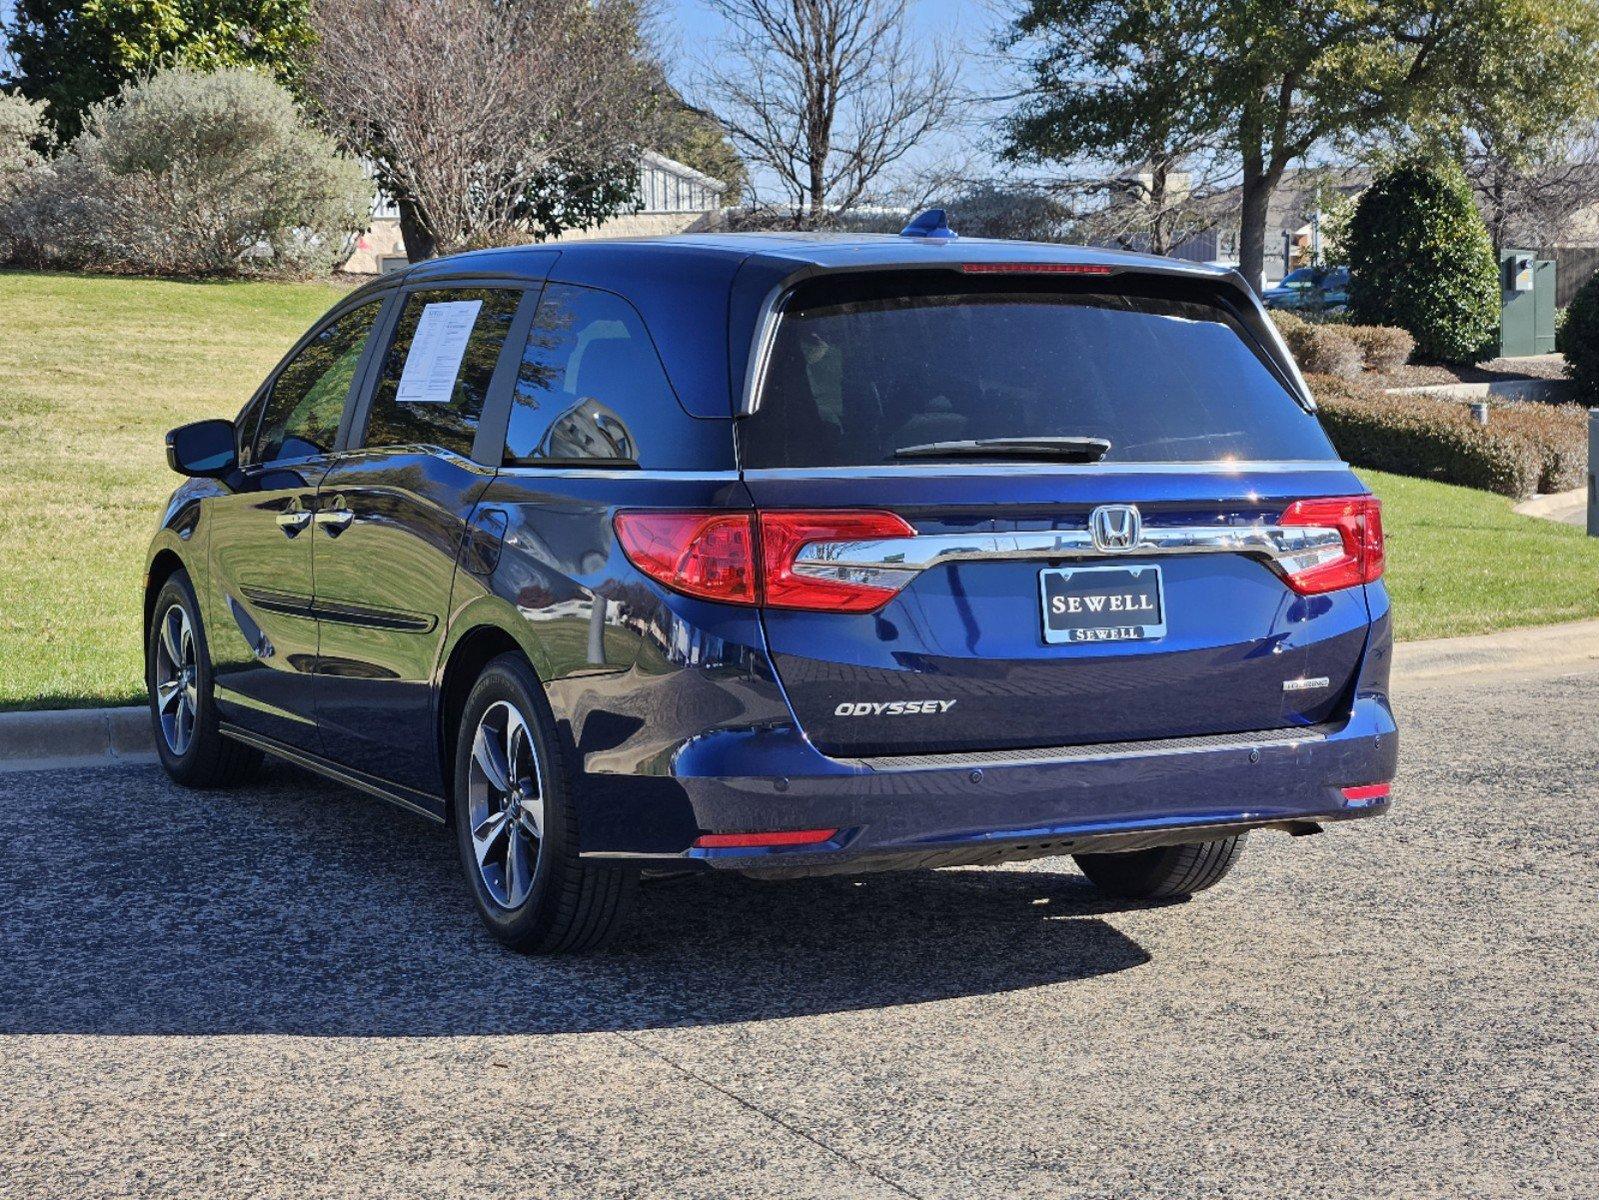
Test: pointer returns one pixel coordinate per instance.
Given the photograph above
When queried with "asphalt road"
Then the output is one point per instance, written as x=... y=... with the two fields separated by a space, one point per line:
x=283 y=992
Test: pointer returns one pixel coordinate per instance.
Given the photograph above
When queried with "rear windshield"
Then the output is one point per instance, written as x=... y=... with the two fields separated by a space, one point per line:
x=864 y=366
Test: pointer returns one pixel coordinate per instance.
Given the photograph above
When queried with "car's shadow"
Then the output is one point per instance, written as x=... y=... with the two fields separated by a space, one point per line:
x=133 y=907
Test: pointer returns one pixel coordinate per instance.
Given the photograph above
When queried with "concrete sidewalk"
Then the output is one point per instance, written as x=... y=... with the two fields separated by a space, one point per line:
x=1540 y=650
x=1567 y=508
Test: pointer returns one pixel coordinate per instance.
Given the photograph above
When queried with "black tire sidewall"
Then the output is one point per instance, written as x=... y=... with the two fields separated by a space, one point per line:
x=1163 y=872
x=510 y=679
x=178 y=590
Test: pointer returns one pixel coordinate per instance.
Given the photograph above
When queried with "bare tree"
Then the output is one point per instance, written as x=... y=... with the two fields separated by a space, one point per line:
x=488 y=120
x=1152 y=208
x=1528 y=198
x=826 y=95
x=1005 y=208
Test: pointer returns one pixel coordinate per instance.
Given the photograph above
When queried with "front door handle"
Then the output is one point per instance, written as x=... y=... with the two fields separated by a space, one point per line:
x=293 y=522
x=335 y=520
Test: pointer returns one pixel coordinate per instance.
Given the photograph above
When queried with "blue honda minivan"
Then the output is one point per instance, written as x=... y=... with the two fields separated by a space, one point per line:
x=784 y=554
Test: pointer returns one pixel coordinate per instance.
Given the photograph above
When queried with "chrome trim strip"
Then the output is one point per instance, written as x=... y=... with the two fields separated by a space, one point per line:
x=766 y=321
x=529 y=472
x=947 y=469
x=1046 y=755
x=893 y=562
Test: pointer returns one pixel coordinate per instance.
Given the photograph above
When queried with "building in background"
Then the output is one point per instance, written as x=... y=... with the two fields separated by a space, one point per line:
x=1295 y=216
x=672 y=198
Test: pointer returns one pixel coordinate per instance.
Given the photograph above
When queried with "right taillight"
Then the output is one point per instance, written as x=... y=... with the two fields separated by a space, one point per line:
x=1354 y=556
x=750 y=558
x=786 y=584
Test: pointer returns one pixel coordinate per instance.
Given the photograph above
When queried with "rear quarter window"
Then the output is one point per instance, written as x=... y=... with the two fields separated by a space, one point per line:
x=591 y=393
x=864 y=366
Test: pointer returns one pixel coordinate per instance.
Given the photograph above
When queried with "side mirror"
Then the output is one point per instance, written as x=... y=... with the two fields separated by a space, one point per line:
x=204 y=448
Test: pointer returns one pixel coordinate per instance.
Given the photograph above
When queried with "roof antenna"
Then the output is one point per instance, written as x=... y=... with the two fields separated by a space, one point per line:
x=930 y=224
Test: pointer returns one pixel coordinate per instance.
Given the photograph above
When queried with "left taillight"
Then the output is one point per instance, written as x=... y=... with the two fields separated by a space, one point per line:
x=749 y=558
x=706 y=554
x=1354 y=556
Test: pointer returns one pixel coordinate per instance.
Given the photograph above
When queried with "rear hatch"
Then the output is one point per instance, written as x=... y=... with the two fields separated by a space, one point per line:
x=1075 y=490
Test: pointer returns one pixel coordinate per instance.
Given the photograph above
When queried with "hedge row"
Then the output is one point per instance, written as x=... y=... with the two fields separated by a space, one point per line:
x=1524 y=449
x=1578 y=340
x=1343 y=350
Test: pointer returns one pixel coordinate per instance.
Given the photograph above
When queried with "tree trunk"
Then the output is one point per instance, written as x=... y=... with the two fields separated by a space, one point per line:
x=1157 y=209
x=1252 y=228
x=1497 y=225
x=420 y=243
x=818 y=185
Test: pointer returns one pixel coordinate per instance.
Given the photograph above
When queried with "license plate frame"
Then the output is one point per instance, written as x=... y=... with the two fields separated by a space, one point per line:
x=1067 y=626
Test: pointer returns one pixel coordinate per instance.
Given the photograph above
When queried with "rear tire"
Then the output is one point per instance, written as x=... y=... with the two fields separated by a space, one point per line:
x=177 y=675
x=1164 y=872
x=516 y=823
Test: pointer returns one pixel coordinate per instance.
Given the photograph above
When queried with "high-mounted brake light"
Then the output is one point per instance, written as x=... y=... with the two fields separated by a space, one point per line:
x=748 y=558
x=1041 y=268
x=753 y=841
x=1355 y=556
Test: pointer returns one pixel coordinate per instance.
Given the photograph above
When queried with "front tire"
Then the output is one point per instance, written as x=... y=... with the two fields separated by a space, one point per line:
x=516 y=824
x=177 y=672
x=1164 y=872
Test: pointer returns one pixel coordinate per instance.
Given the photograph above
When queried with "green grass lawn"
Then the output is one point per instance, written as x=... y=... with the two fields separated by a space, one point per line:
x=1460 y=561
x=94 y=370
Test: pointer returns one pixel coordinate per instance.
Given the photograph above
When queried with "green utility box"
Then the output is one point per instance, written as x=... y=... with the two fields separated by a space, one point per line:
x=1527 y=310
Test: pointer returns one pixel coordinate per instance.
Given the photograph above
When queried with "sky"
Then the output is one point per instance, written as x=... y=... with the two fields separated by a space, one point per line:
x=689 y=28
x=692 y=23
x=947 y=20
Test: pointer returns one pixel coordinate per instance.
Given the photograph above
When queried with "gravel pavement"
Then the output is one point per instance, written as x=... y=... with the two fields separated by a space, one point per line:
x=282 y=992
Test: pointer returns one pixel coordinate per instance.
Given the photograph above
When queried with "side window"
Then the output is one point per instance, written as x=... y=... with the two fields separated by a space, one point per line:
x=589 y=385
x=438 y=367
x=303 y=409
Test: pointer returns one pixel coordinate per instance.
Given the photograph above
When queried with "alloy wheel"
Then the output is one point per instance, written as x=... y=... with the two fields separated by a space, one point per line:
x=505 y=804
x=177 y=691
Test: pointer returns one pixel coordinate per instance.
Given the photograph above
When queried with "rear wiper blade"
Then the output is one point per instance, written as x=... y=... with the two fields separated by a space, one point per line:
x=1050 y=449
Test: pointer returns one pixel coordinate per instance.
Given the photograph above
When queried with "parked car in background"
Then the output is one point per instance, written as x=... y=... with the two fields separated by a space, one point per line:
x=1311 y=289
x=784 y=554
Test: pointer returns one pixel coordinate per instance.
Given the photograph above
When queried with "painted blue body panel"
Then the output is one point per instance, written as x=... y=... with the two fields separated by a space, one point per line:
x=683 y=716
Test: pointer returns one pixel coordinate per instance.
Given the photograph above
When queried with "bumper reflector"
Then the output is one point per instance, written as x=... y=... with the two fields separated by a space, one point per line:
x=1367 y=791
x=751 y=841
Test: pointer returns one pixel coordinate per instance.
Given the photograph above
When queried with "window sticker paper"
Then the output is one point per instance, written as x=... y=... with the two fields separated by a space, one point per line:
x=434 y=359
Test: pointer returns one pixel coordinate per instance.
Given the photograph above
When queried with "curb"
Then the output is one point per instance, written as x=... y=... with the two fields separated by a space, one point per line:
x=90 y=737
x=1543 y=649
x=31 y=741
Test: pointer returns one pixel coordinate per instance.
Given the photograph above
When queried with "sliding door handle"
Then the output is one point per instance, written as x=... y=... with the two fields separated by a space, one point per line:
x=335 y=520
x=293 y=522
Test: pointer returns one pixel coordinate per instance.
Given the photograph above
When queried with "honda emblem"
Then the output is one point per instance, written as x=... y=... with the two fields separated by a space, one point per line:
x=1116 y=528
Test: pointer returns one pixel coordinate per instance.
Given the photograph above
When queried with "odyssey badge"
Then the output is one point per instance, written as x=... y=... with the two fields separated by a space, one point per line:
x=893 y=708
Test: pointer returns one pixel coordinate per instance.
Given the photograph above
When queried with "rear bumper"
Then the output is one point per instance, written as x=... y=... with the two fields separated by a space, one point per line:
x=936 y=810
